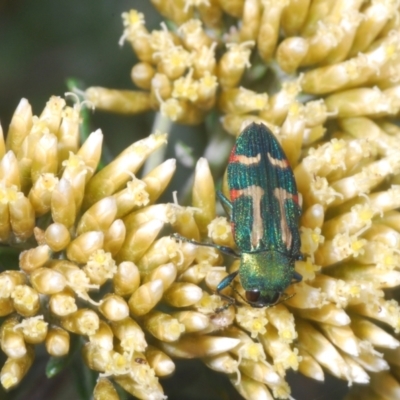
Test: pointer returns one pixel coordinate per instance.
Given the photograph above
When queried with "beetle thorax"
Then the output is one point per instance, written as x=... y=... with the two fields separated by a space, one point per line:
x=267 y=271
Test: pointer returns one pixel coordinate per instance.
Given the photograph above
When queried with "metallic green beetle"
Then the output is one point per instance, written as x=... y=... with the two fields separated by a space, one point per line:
x=264 y=210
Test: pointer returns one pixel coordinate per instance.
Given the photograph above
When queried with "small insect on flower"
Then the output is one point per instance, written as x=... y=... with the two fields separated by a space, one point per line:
x=264 y=211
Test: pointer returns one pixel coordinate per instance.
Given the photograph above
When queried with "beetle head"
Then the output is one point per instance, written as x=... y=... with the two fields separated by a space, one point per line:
x=265 y=276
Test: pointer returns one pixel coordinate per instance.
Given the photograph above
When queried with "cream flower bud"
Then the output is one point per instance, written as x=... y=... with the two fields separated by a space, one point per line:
x=22 y=218
x=233 y=63
x=149 y=389
x=6 y=307
x=305 y=296
x=252 y=389
x=75 y=173
x=26 y=300
x=81 y=248
x=45 y=157
x=127 y=278
x=241 y=100
x=68 y=133
x=47 y=281
x=114 y=237
x=130 y=334
x=57 y=342
x=9 y=170
x=159 y=361
x=35 y=258
x=132 y=197
x=321 y=349
x=158 y=179
x=342 y=337
x=5 y=226
x=103 y=337
x=82 y=322
x=193 y=36
x=161 y=89
x=120 y=101
x=291 y=52
x=51 y=113
x=163 y=326
x=167 y=273
x=283 y=355
x=9 y=280
x=192 y=321
x=141 y=74
x=76 y=279
x=107 y=181
x=283 y=321
x=165 y=250
x=20 y=125
x=203 y=195
x=104 y=390
x=294 y=16
x=100 y=267
x=63 y=303
x=193 y=346
x=12 y=341
x=96 y=357
x=328 y=313
x=139 y=240
x=174 y=63
x=63 y=208
x=261 y=372
x=41 y=193
x=251 y=19
x=34 y=329
x=184 y=222
x=224 y=363
x=114 y=307
x=14 y=369
x=90 y=152
x=99 y=217
x=366 y=330
x=220 y=231
x=146 y=297
x=57 y=236
x=269 y=28
x=182 y=294
x=310 y=367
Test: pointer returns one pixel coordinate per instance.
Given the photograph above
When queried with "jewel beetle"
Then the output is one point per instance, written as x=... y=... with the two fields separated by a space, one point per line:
x=264 y=212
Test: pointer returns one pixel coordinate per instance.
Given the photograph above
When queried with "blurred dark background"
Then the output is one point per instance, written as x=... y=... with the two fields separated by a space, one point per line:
x=42 y=44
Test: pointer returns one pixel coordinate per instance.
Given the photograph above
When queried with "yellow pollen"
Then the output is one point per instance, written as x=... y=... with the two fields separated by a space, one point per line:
x=357 y=245
x=354 y=290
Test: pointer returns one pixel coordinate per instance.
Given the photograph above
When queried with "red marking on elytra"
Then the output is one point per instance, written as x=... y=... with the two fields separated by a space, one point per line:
x=233 y=155
x=235 y=193
x=295 y=198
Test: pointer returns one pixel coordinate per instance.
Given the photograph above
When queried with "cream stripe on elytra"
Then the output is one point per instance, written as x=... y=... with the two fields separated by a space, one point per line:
x=282 y=195
x=245 y=160
x=257 y=230
x=276 y=162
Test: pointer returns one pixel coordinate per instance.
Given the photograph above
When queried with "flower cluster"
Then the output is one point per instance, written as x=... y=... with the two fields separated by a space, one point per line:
x=331 y=71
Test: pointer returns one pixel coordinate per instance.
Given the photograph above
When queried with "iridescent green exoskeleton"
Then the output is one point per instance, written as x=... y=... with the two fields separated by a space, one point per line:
x=264 y=211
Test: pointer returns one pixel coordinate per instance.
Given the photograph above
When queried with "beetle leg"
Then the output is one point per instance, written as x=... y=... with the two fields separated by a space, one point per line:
x=224 y=249
x=221 y=286
x=226 y=204
x=297 y=277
